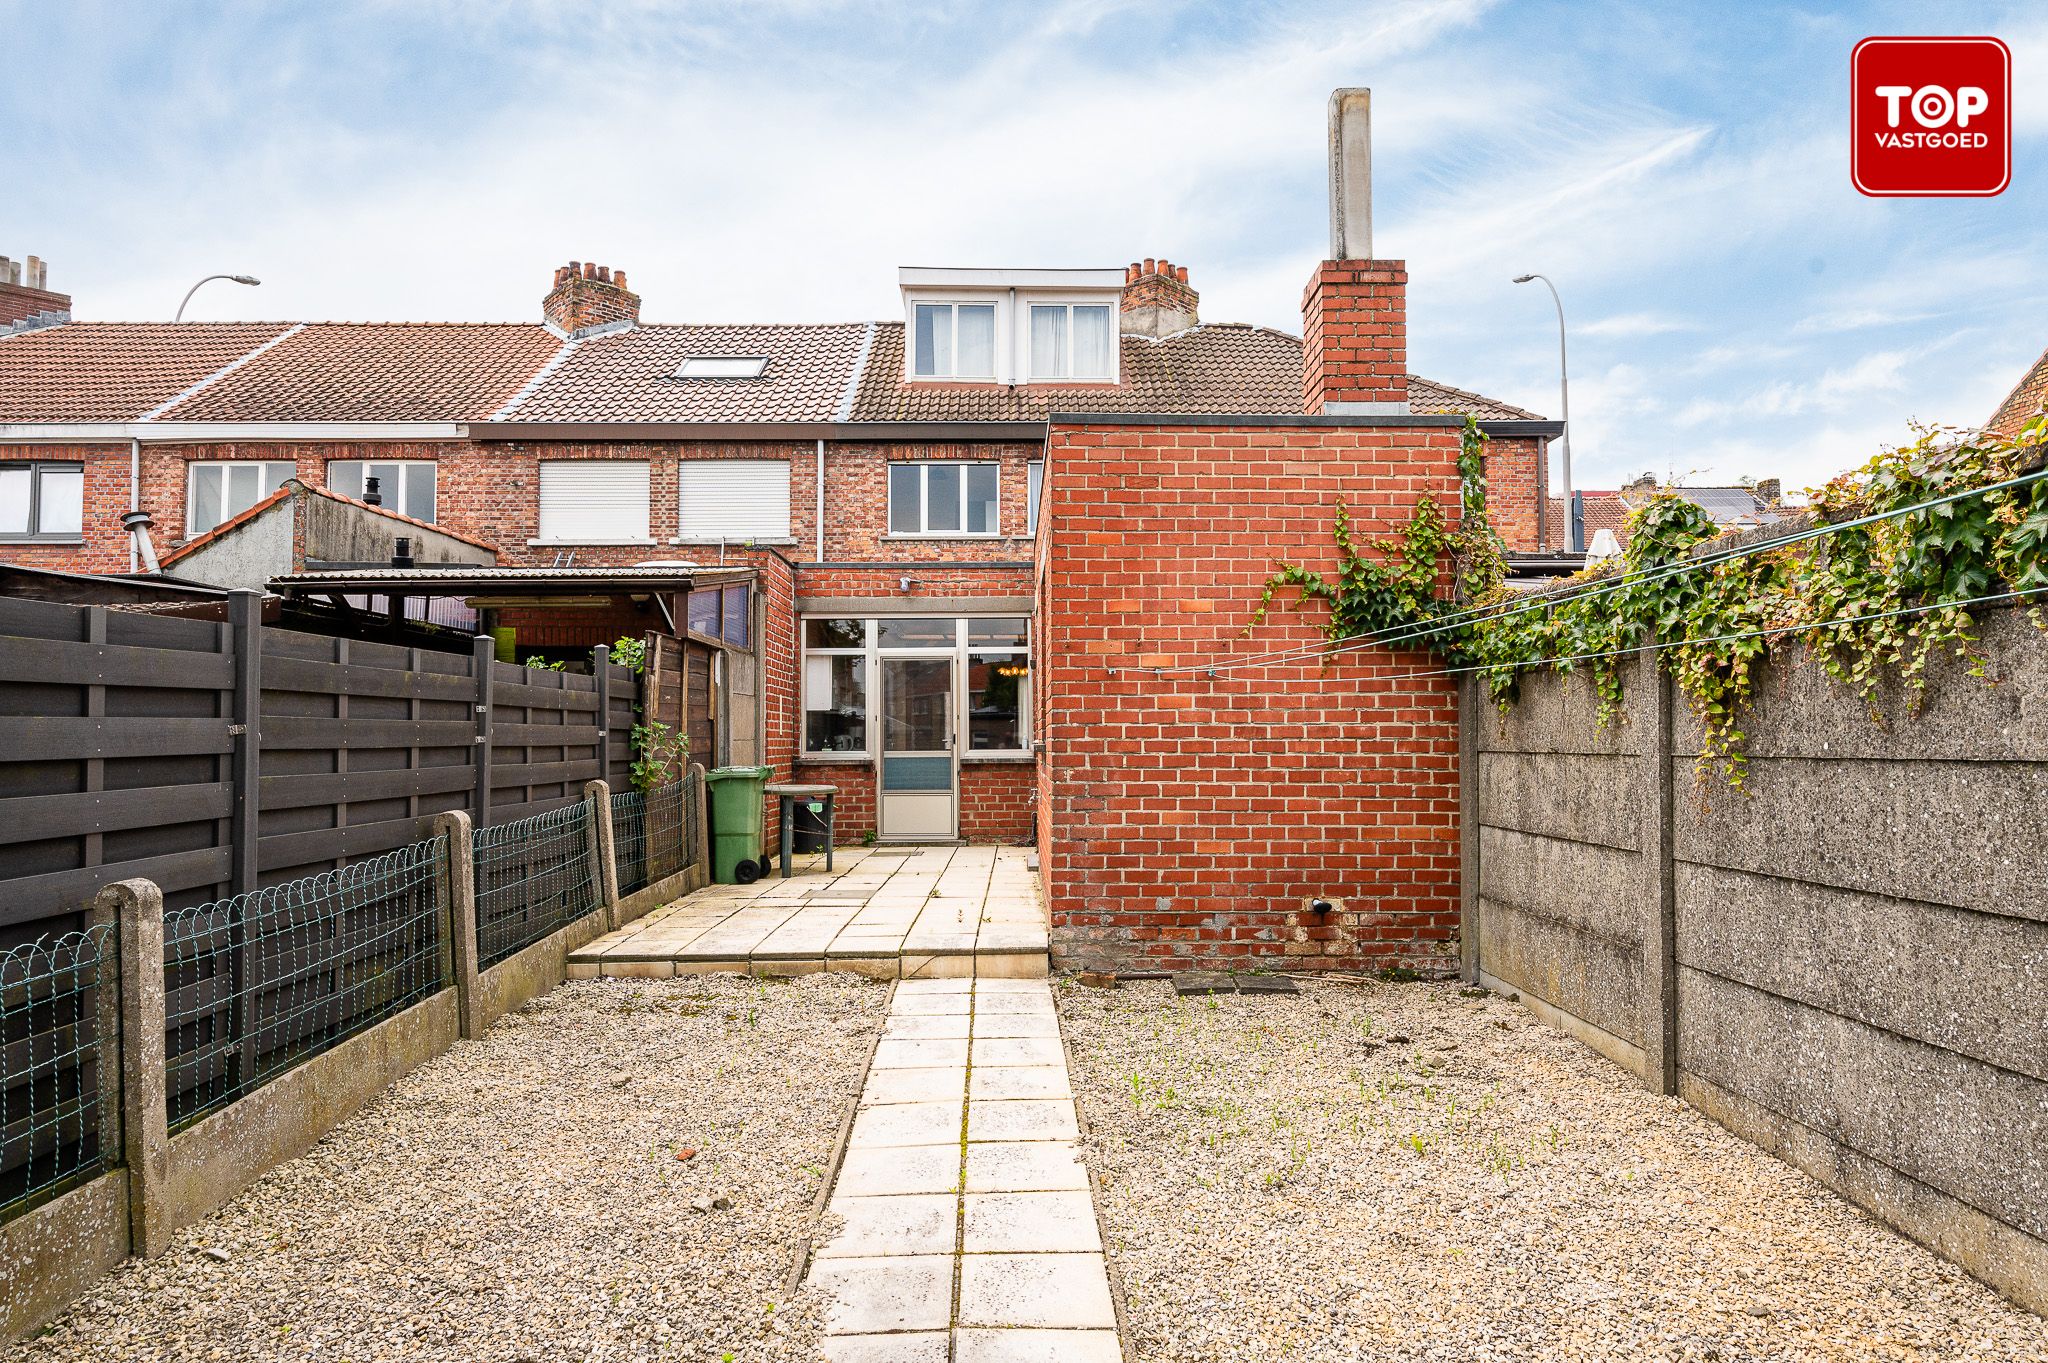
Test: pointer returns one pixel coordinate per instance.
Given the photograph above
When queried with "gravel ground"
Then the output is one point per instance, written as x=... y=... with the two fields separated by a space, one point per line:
x=521 y=1197
x=1369 y=1171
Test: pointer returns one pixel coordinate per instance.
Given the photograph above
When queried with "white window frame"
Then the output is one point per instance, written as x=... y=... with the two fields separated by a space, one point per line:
x=723 y=367
x=1034 y=494
x=540 y=507
x=35 y=534
x=408 y=473
x=962 y=653
x=263 y=480
x=1025 y=304
x=777 y=530
x=997 y=330
x=924 y=518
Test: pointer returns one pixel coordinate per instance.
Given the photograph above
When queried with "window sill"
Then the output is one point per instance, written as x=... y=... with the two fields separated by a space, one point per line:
x=1015 y=758
x=834 y=759
x=950 y=537
x=584 y=543
x=36 y=541
x=734 y=541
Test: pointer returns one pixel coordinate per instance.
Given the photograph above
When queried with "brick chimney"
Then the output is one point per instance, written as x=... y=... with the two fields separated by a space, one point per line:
x=1771 y=491
x=26 y=302
x=1354 y=313
x=1157 y=299
x=586 y=297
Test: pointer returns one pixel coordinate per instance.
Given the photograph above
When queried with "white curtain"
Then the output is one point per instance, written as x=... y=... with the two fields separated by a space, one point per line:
x=1048 y=342
x=1092 y=339
x=976 y=342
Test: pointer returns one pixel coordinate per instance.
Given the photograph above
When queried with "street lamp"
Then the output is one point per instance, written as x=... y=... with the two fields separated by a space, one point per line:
x=1564 y=394
x=237 y=278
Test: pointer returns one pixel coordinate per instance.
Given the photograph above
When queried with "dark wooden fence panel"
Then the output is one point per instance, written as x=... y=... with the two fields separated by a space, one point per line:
x=121 y=753
x=114 y=750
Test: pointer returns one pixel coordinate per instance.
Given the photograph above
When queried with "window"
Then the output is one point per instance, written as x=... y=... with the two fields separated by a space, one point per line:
x=738 y=625
x=403 y=485
x=723 y=367
x=734 y=499
x=42 y=501
x=720 y=613
x=992 y=658
x=223 y=491
x=1035 y=477
x=953 y=340
x=1072 y=341
x=835 y=686
x=942 y=499
x=594 y=501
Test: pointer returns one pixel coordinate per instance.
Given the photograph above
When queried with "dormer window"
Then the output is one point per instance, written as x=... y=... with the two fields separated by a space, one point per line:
x=954 y=340
x=1010 y=326
x=723 y=367
x=1072 y=341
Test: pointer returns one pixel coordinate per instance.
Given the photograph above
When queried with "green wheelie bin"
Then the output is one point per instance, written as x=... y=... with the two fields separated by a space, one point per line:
x=736 y=795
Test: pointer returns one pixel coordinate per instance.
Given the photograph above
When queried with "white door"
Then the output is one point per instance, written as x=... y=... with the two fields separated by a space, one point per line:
x=919 y=769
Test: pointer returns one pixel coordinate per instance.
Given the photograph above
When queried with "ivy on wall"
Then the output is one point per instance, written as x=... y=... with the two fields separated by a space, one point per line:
x=1868 y=601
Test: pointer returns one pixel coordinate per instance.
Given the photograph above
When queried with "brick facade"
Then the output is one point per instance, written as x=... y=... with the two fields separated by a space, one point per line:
x=1516 y=483
x=1187 y=818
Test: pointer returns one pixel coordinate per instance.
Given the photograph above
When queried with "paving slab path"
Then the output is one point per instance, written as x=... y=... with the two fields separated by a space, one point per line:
x=965 y=1228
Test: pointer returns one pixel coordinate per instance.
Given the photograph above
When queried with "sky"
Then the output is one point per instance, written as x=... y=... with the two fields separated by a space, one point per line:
x=1734 y=307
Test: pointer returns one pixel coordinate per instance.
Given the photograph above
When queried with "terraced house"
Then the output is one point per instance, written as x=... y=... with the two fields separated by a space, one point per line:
x=886 y=477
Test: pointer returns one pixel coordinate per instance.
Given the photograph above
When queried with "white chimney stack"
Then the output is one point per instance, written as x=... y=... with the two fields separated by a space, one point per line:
x=1351 y=173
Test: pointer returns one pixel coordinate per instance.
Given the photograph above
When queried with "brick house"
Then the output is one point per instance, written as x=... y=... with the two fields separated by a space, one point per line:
x=885 y=471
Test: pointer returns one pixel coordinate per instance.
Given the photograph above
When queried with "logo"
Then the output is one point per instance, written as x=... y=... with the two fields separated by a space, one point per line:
x=1930 y=117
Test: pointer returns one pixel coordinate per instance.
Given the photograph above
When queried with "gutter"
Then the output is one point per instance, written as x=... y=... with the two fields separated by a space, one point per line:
x=1033 y=431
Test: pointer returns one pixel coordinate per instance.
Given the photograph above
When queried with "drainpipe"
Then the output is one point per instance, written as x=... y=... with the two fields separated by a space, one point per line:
x=819 y=519
x=135 y=499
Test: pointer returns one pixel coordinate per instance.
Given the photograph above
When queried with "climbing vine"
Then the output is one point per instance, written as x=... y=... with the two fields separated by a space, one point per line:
x=1867 y=601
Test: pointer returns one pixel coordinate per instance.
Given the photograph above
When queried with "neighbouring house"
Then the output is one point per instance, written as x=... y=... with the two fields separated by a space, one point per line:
x=2027 y=400
x=884 y=476
x=26 y=301
x=1732 y=508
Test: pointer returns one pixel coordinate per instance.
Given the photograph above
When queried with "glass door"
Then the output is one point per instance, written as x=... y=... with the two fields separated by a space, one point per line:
x=919 y=784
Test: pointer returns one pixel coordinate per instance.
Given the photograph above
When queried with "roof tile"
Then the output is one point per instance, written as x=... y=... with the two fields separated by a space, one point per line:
x=631 y=375
x=116 y=371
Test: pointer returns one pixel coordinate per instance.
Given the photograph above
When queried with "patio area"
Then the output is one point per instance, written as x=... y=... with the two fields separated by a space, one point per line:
x=884 y=912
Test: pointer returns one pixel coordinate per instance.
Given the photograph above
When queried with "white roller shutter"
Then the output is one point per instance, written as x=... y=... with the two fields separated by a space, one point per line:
x=735 y=499
x=593 y=501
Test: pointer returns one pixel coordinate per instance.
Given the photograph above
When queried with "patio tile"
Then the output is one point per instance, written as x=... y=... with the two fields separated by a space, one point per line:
x=923 y=1223
x=924 y=1027
x=911 y=989
x=931 y=1005
x=932 y=1123
x=1025 y=1346
x=1057 y=1291
x=1021 y=1050
x=1022 y=1119
x=1020 y=1081
x=1015 y=1003
x=1029 y=1223
x=885 y=1087
x=1014 y=1025
x=874 y=1296
x=915 y=966
x=1025 y=1167
x=890 y=1171
x=896 y=1054
x=921 y=1348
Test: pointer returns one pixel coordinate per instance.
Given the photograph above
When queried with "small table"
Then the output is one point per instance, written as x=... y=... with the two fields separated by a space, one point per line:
x=790 y=794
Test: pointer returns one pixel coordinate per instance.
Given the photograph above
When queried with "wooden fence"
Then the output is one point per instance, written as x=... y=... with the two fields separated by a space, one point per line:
x=218 y=758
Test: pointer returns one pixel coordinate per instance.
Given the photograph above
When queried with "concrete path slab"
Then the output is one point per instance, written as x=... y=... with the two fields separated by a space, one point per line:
x=963 y=1153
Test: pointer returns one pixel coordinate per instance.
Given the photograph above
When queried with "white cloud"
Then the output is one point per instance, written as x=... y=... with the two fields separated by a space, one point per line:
x=1637 y=324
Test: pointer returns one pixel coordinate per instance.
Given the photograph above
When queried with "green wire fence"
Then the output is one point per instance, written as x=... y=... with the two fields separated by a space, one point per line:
x=55 y=1042
x=653 y=832
x=258 y=983
x=533 y=876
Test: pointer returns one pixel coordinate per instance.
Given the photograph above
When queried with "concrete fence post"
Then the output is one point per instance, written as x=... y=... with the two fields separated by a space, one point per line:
x=604 y=853
x=1469 y=707
x=700 y=855
x=459 y=917
x=1659 y=893
x=601 y=669
x=482 y=661
x=137 y=906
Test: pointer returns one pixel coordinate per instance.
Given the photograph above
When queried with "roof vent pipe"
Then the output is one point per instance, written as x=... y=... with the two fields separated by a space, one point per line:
x=372 y=493
x=401 y=551
x=137 y=524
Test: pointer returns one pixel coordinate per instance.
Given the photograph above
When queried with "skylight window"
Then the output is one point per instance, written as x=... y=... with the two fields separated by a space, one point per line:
x=723 y=367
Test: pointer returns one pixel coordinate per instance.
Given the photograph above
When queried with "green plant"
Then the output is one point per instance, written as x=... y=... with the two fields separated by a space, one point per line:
x=539 y=664
x=630 y=654
x=659 y=754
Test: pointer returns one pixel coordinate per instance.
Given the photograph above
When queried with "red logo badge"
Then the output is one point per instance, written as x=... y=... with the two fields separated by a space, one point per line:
x=1930 y=117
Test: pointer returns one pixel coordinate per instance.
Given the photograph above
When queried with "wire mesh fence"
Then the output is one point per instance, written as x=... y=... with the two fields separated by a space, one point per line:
x=533 y=876
x=57 y=998
x=263 y=981
x=653 y=833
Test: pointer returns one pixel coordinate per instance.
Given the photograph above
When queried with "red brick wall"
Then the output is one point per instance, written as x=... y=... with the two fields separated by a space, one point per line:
x=857 y=503
x=1188 y=817
x=1514 y=489
x=103 y=546
x=1354 y=339
x=998 y=801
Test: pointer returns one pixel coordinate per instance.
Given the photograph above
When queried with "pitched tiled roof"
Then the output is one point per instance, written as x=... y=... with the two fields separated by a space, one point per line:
x=2023 y=403
x=631 y=375
x=116 y=371
x=379 y=371
x=1219 y=368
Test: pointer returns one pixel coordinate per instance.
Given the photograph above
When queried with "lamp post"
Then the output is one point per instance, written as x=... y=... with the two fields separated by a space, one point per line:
x=237 y=278
x=1564 y=397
